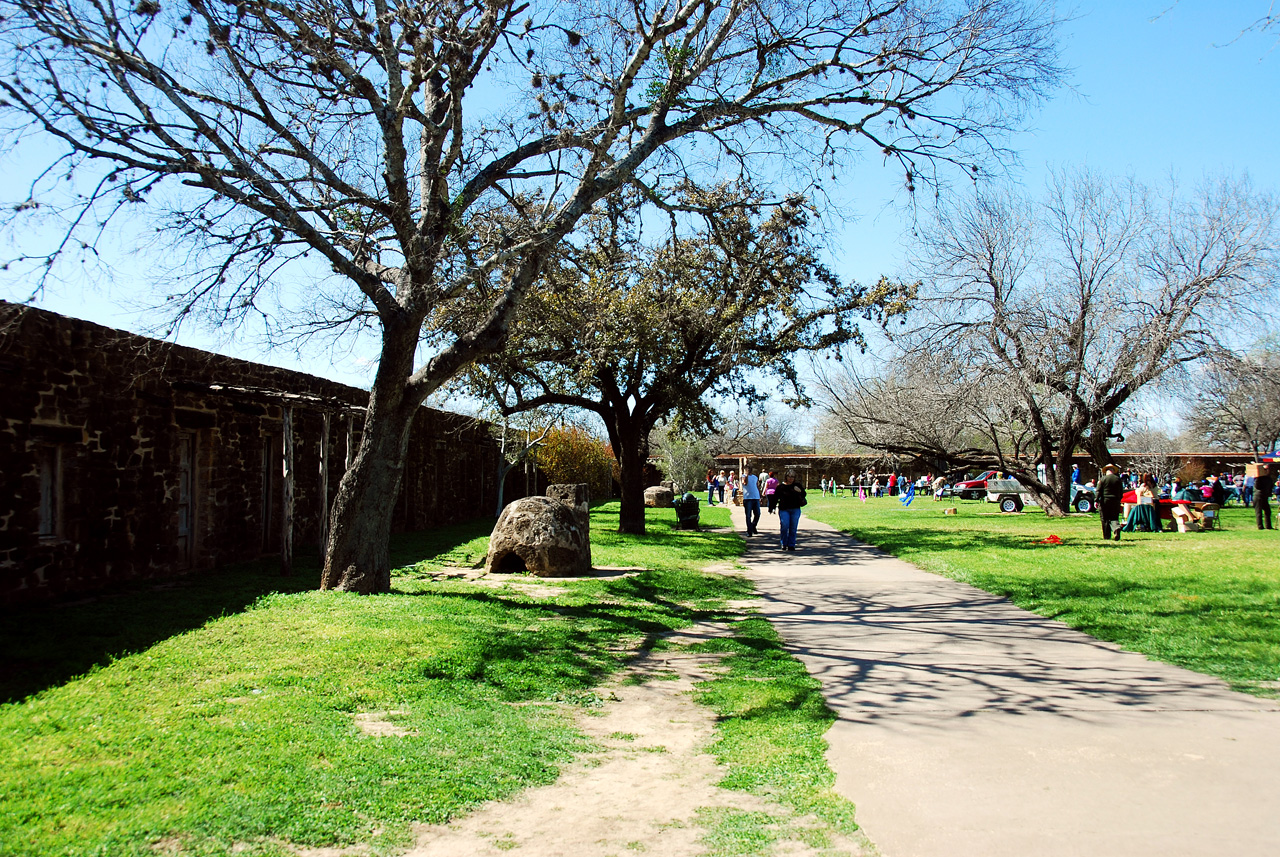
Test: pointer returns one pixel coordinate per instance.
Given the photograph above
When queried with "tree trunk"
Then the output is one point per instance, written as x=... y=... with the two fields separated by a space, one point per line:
x=1097 y=444
x=360 y=524
x=632 y=454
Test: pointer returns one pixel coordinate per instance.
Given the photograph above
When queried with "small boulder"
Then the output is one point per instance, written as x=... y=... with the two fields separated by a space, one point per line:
x=539 y=535
x=659 y=497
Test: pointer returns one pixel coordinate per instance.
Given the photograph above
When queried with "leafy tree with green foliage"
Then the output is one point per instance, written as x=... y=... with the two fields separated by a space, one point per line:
x=362 y=149
x=638 y=332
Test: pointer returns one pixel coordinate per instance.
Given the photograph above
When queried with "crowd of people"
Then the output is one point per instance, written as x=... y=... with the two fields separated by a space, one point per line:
x=785 y=497
x=871 y=484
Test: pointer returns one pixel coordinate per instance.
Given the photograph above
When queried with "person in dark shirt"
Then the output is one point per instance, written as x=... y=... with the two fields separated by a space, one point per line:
x=1110 y=494
x=790 y=498
x=1262 y=488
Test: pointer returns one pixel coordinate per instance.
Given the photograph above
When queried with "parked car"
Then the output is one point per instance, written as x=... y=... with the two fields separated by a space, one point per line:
x=1012 y=496
x=1083 y=499
x=973 y=489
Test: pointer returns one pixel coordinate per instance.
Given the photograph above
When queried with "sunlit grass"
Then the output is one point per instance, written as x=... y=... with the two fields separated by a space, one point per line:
x=770 y=727
x=1206 y=601
x=218 y=715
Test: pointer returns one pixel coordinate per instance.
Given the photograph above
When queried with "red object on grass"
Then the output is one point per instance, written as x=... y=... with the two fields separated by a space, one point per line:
x=1052 y=540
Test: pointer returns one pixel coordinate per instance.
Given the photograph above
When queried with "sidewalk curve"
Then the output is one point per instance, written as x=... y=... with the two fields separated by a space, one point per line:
x=968 y=726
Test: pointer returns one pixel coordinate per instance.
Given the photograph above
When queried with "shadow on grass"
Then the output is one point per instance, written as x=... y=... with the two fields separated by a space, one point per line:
x=47 y=645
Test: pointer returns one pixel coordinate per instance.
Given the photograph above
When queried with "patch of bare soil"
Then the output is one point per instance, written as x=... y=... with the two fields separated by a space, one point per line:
x=379 y=725
x=639 y=793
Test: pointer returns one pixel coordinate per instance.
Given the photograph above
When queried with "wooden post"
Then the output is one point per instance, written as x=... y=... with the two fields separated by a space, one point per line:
x=324 y=487
x=351 y=442
x=286 y=540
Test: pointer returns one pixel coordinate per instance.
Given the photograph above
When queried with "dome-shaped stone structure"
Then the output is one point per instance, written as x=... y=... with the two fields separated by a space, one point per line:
x=542 y=536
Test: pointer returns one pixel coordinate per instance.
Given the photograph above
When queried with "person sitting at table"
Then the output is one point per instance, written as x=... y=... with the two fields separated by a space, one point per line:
x=1142 y=515
x=1189 y=492
x=1146 y=490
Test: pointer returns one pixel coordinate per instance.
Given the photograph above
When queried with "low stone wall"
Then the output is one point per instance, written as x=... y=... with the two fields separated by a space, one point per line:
x=123 y=457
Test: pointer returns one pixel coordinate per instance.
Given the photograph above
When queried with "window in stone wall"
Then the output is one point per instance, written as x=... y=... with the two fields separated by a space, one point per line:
x=49 y=469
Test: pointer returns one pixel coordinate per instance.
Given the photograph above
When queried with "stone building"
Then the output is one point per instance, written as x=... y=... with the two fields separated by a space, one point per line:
x=124 y=458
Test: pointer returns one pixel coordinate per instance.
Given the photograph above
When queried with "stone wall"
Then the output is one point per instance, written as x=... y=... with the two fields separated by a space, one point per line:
x=123 y=458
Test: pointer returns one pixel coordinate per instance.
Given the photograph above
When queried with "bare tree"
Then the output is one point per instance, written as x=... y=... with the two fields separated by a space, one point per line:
x=366 y=148
x=759 y=430
x=943 y=408
x=1152 y=451
x=1236 y=403
x=1062 y=311
x=518 y=436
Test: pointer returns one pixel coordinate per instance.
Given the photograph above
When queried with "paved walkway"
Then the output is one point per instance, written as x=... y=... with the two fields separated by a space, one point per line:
x=968 y=726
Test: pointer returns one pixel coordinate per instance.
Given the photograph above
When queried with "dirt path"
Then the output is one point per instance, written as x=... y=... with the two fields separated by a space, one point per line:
x=641 y=792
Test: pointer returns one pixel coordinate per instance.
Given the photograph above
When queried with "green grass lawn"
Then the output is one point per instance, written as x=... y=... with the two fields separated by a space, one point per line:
x=1206 y=601
x=217 y=714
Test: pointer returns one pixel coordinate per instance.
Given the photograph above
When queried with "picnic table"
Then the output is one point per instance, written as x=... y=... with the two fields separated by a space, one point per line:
x=1162 y=510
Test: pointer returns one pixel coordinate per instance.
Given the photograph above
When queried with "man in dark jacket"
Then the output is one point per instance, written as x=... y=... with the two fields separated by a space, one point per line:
x=1110 y=494
x=1262 y=488
x=1218 y=493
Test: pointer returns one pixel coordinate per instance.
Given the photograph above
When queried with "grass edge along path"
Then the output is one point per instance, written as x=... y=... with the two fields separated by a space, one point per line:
x=1208 y=602
x=770 y=727
x=237 y=734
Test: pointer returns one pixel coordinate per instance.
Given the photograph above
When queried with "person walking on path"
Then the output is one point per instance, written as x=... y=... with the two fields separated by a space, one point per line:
x=1262 y=488
x=1110 y=495
x=771 y=493
x=790 y=499
x=720 y=483
x=751 y=500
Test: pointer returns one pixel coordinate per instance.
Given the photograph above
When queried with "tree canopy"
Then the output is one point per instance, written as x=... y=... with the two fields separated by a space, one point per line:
x=412 y=159
x=640 y=332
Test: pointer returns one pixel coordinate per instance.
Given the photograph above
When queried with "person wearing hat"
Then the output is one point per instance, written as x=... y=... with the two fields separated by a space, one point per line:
x=1110 y=494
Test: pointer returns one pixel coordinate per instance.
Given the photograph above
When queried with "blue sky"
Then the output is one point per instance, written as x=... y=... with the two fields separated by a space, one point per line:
x=1155 y=90
x=1157 y=87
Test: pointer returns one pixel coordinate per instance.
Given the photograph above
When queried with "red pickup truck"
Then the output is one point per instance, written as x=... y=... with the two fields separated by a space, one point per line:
x=974 y=489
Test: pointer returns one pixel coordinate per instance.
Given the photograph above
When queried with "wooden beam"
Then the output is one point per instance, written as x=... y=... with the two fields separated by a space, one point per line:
x=324 y=487
x=286 y=523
